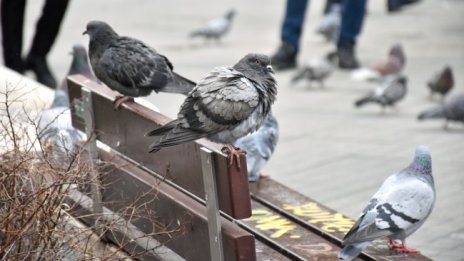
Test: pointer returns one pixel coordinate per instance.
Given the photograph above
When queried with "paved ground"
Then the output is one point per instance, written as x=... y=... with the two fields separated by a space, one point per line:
x=328 y=150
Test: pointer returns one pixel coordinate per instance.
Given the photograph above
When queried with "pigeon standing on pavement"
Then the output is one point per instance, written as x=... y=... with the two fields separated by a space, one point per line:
x=229 y=103
x=391 y=90
x=129 y=66
x=442 y=82
x=452 y=109
x=317 y=69
x=55 y=126
x=217 y=27
x=331 y=23
x=393 y=65
x=79 y=65
x=398 y=209
x=259 y=146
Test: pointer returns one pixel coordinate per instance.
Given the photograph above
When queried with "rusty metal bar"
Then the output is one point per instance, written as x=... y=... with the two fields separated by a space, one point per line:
x=91 y=147
x=124 y=131
x=212 y=206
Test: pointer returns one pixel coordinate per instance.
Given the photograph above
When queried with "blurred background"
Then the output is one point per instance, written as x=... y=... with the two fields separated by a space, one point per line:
x=328 y=149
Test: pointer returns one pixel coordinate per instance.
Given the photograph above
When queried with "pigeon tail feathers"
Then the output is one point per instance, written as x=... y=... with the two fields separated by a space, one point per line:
x=434 y=113
x=349 y=252
x=179 y=84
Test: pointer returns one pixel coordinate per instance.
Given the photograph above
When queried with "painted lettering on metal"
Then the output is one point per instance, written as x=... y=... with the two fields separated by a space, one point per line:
x=314 y=214
x=268 y=221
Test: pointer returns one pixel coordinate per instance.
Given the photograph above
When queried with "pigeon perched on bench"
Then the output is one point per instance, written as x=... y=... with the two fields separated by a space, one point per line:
x=401 y=205
x=452 y=109
x=217 y=27
x=259 y=146
x=129 y=66
x=227 y=104
x=388 y=93
x=442 y=82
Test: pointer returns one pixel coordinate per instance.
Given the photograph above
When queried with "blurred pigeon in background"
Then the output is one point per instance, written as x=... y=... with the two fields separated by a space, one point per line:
x=259 y=146
x=452 y=109
x=442 y=82
x=79 y=65
x=393 y=65
x=217 y=27
x=331 y=23
x=129 y=66
x=391 y=90
x=229 y=103
x=398 y=208
x=317 y=69
x=55 y=127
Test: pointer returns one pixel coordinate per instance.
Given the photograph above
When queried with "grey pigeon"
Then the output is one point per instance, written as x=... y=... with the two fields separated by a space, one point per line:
x=388 y=93
x=442 y=82
x=259 y=146
x=394 y=64
x=397 y=209
x=452 y=109
x=129 y=66
x=317 y=69
x=331 y=23
x=229 y=103
x=79 y=65
x=55 y=126
x=217 y=27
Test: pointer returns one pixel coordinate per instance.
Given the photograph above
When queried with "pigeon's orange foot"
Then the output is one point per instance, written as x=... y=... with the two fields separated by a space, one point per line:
x=120 y=99
x=234 y=153
x=263 y=175
x=401 y=247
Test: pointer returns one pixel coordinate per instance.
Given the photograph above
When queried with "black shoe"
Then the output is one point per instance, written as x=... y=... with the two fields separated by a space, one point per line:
x=395 y=5
x=284 y=58
x=346 y=57
x=39 y=66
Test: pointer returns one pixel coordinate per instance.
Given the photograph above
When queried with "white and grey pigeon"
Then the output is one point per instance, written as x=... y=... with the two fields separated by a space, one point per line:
x=217 y=27
x=391 y=90
x=331 y=23
x=259 y=146
x=55 y=127
x=401 y=205
x=442 y=82
x=227 y=104
x=452 y=109
x=79 y=65
x=317 y=69
x=129 y=66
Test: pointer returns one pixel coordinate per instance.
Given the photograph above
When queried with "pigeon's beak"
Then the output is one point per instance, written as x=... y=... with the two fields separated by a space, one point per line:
x=269 y=69
x=85 y=32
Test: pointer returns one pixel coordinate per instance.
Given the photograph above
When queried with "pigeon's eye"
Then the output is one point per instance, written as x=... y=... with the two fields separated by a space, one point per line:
x=258 y=62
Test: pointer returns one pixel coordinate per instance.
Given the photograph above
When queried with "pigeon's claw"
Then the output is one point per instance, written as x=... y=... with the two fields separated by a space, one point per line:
x=120 y=99
x=234 y=153
x=401 y=247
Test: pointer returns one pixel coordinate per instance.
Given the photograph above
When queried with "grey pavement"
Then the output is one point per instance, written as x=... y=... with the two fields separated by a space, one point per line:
x=328 y=150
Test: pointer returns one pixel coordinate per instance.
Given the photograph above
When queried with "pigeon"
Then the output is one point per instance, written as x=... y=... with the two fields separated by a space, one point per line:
x=397 y=209
x=259 y=146
x=393 y=65
x=452 y=109
x=55 y=127
x=317 y=69
x=227 y=104
x=129 y=66
x=442 y=82
x=79 y=65
x=388 y=93
x=331 y=23
x=217 y=27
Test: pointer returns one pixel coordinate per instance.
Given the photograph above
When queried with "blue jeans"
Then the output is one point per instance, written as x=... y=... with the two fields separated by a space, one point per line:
x=352 y=20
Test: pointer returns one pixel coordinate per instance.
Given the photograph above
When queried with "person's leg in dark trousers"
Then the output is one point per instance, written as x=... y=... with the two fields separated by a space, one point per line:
x=46 y=31
x=329 y=3
x=292 y=27
x=12 y=12
x=352 y=21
